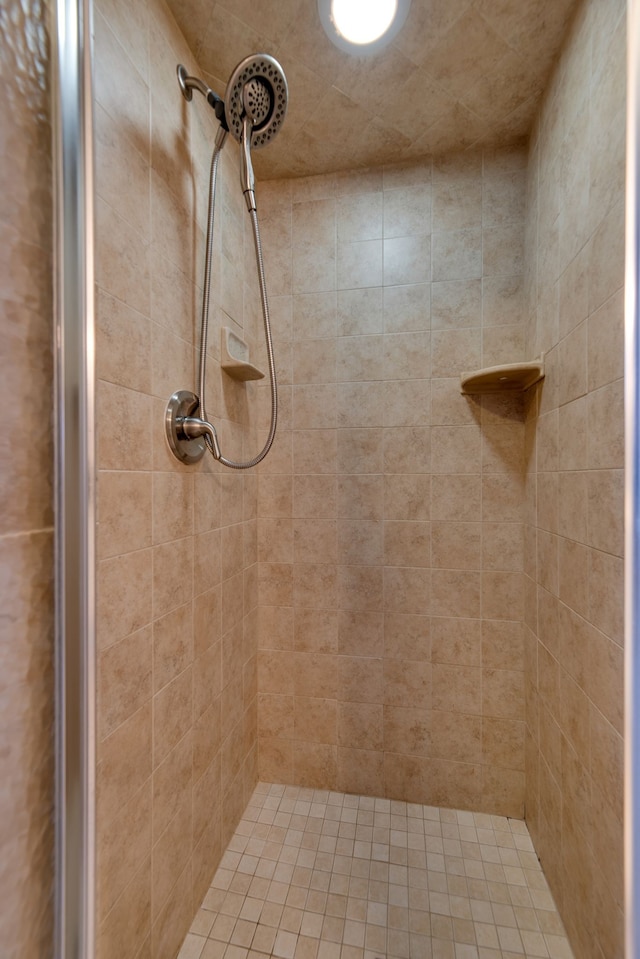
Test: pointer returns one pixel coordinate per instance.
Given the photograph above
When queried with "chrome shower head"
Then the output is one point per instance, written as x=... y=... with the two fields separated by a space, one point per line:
x=255 y=107
x=257 y=90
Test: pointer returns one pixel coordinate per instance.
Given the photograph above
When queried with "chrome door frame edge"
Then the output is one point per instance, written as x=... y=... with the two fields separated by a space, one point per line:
x=75 y=498
x=632 y=491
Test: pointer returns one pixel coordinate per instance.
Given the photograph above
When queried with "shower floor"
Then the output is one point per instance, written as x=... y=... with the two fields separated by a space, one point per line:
x=311 y=874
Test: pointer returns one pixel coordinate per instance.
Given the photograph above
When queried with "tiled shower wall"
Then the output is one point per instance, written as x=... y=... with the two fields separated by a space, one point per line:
x=26 y=487
x=574 y=503
x=177 y=545
x=390 y=532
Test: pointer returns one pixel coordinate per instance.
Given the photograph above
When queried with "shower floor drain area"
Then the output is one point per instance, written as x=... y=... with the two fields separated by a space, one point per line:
x=311 y=874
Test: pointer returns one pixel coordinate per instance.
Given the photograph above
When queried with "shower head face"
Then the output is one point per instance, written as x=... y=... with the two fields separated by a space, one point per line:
x=257 y=90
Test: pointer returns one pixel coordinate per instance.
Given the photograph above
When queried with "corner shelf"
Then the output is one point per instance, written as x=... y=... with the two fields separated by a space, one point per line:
x=510 y=377
x=234 y=357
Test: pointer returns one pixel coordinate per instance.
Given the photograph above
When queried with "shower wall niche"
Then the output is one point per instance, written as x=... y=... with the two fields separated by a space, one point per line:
x=177 y=570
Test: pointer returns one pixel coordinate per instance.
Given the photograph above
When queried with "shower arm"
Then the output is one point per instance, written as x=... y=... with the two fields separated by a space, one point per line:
x=188 y=84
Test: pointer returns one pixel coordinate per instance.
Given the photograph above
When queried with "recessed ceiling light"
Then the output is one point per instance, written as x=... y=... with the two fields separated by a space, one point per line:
x=362 y=26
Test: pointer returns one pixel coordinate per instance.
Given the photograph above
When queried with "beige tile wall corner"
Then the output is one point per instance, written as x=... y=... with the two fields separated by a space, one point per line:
x=177 y=572
x=26 y=488
x=574 y=461
x=390 y=532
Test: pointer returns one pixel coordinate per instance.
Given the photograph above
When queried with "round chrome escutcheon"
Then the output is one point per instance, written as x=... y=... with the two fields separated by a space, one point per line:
x=183 y=403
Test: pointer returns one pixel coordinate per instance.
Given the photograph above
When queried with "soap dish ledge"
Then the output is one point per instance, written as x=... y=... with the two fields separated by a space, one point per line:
x=238 y=365
x=509 y=377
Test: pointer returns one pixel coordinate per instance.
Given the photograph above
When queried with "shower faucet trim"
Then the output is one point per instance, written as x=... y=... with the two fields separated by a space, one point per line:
x=253 y=111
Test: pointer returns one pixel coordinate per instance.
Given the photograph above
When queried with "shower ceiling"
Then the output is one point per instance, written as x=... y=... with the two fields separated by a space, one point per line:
x=460 y=72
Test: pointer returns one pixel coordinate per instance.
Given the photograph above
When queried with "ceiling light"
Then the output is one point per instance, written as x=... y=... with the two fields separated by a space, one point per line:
x=363 y=21
x=362 y=26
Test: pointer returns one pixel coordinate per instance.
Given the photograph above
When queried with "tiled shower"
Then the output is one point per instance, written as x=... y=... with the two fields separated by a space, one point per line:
x=418 y=595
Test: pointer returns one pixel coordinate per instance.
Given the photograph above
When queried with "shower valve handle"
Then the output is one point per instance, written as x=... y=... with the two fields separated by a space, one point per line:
x=193 y=428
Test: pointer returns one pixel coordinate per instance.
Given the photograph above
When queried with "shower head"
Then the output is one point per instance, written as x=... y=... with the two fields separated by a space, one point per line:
x=255 y=106
x=257 y=91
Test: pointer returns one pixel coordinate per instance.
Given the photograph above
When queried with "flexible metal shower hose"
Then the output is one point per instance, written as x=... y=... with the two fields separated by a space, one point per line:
x=204 y=332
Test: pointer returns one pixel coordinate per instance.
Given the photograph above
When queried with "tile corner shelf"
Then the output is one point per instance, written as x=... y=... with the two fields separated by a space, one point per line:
x=510 y=377
x=234 y=357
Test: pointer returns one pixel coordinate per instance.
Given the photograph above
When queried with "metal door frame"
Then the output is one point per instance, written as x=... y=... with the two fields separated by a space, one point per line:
x=75 y=521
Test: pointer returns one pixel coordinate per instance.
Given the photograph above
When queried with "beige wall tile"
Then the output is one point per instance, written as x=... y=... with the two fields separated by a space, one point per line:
x=169 y=857
x=456 y=498
x=125 y=671
x=360 y=587
x=360 y=542
x=605 y=424
x=359 y=312
x=407 y=259
x=454 y=351
x=407 y=307
x=122 y=260
x=408 y=730
x=316 y=630
x=457 y=689
x=407 y=637
x=314 y=585
x=172 y=506
x=605 y=343
x=123 y=344
x=407 y=496
x=407 y=590
x=276 y=716
x=457 y=255
x=360 y=679
x=123 y=847
x=124 y=601
x=172 y=921
x=315 y=720
x=456 y=304
x=314 y=246
x=360 y=726
x=360 y=266
x=129 y=922
x=173 y=707
x=124 y=512
x=407 y=450
x=276 y=760
x=456 y=641
x=360 y=771
x=502 y=694
x=315 y=765
x=606 y=594
x=456 y=736
x=125 y=761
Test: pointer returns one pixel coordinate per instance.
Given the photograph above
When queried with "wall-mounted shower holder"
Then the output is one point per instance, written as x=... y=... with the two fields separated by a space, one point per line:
x=188 y=435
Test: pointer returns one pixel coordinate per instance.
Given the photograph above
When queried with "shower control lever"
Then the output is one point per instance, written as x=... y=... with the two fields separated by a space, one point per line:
x=193 y=428
x=187 y=434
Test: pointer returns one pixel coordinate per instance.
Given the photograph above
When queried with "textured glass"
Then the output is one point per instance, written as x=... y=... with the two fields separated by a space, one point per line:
x=26 y=471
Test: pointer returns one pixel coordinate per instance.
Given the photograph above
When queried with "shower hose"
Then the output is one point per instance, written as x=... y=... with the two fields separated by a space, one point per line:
x=204 y=332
